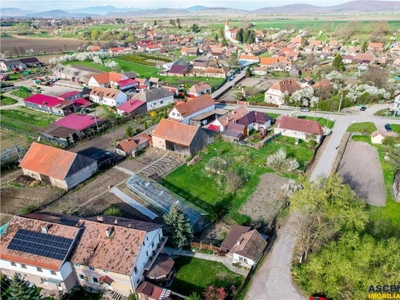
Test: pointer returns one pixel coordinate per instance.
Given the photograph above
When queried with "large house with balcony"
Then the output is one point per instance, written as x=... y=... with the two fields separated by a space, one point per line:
x=184 y=111
x=57 y=252
x=107 y=96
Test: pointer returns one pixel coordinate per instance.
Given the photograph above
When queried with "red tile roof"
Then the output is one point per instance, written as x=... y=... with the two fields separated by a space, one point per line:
x=105 y=92
x=77 y=121
x=50 y=161
x=126 y=82
x=177 y=133
x=288 y=85
x=297 y=124
x=194 y=105
x=20 y=222
x=108 y=76
x=250 y=245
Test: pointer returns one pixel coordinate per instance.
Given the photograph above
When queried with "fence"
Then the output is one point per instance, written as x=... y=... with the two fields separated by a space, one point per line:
x=202 y=245
x=272 y=138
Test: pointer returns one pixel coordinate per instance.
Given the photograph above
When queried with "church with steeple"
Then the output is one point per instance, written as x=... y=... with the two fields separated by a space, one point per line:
x=230 y=34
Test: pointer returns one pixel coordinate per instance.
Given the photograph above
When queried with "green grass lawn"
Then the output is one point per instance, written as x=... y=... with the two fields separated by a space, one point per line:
x=25 y=120
x=192 y=277
x=396 y=127
x=362 y=127
x=4 y=100
x=386 y=219
x=322 y=121
x=21 y=94
x=189 y=81
x=141 y=70
x=88 y=64
x=208 y=190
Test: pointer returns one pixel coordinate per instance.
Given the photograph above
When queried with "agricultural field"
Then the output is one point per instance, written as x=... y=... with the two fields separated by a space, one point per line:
x=88 y=64
x=38 y=45
x=217 y=191
x=25 y=120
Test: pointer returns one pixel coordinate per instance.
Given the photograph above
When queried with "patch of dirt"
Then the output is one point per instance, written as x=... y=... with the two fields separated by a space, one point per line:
x=361 y=169
x=266 y=200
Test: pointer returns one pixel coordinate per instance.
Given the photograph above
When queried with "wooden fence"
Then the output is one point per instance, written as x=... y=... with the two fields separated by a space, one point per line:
x=202 y=245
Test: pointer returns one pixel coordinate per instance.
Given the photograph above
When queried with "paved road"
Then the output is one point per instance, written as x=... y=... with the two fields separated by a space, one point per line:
x=273 y=281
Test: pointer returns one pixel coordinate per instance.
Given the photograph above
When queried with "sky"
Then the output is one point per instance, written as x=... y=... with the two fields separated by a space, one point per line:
x=67 y=4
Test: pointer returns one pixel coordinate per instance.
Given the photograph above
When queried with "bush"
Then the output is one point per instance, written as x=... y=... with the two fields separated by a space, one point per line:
x=391 y=140
x=113 y=211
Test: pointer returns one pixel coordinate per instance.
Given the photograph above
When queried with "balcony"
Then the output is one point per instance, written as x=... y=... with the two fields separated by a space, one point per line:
x=157 y=251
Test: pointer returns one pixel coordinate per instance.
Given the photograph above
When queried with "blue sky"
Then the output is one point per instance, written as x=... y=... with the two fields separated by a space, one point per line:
x=66 y=4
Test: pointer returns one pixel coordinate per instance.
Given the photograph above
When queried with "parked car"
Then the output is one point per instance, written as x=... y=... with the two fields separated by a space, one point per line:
x=363 y=108
x=317 y=298
x=388 y=127
x=305 y=109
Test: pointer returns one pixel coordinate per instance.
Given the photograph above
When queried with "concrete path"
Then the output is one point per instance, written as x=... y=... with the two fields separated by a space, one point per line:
x=125 y=170
x=15 y=105
x=225 y=260
x=130 y=201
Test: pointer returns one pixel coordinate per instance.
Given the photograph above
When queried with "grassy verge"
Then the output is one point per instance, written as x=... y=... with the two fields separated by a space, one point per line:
x=396 y=127
x=211 y=192
x=362 y=127
x=189 y=81
x=191 y=277
x=21 y=94
x=322 y=121
x=4 y=100
x=88 y=64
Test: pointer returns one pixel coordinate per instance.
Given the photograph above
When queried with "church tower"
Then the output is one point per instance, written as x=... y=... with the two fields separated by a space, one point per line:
x=227 y=31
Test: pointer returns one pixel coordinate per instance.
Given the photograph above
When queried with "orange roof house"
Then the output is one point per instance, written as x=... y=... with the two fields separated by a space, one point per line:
x=185 y=139
x=183 y=111
x=57 y=167
x=107 y=79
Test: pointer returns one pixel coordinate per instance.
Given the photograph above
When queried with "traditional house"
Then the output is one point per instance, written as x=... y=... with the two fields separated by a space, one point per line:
x=57 y=167
x=235 y=132
x=106 y=80
x=114 y=253
x=230 y=117
x=306 y=82
x=155 y=97
x=244 y=245
x=36 y=247
x=179 y=68
x=298 y=128
x=268 y=61
x=199 y=89
x=323 y=84
x=184 y=139
x=248 y=59
x=276 y=93
x=11 y=64
x=375 y=47
x=132 y=146
x=255 y=120
x=107 y=96
x=184 y=111
x=363 y=58
x=132 y=107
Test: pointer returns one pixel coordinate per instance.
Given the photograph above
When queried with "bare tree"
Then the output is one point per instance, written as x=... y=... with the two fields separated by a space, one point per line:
x=375 y=76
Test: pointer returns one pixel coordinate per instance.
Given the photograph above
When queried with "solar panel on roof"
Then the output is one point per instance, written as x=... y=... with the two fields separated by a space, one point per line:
x=42 y=244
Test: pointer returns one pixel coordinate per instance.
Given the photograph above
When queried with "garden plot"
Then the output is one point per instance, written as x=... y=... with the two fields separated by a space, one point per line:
x=361 y=169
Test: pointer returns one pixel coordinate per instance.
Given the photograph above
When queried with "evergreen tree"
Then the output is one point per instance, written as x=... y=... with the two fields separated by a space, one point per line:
x=155 y=23
x=20 y=290
x=337 y=63
x=177 y=227
x=128 y=131
x=240 y=35
x=364 y=46
x=178 y=23
x=172 y=22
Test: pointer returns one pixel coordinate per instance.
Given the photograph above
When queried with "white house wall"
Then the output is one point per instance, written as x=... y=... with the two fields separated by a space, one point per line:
x=160 y=103
x=274 y=96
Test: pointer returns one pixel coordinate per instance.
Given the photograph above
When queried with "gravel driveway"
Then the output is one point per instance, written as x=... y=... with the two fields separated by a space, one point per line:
x=361 y=169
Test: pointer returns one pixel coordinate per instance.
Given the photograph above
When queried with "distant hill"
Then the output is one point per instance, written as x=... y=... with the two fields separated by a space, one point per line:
x=197 y=8
x=57 y=14
x=14 y=12
x=101 y=10
x=348 y=7
x=152 y=12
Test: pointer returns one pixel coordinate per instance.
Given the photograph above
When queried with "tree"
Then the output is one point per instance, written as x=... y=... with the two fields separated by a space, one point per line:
x=178 y=23
x=345 y=269
x=172 y=22
x=20 y=290
x=195 y=28
x=240 y=36
x=326 y=207
x=94 y=34
x=337 y=63
x=248 y=72
x=155 y=23
x=194 y=296
x=375 y=76
x=177 y=227
x=364 y=47
x=128 y=131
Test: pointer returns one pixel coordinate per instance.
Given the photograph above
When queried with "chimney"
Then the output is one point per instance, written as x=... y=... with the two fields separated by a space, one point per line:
x=129 y=225
x=45 y=228
x=142 y=91
x=116 y=221
x=100 y=218
x=109 y=231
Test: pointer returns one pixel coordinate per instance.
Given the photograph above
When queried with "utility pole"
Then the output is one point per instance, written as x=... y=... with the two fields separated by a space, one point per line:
x=341 y=98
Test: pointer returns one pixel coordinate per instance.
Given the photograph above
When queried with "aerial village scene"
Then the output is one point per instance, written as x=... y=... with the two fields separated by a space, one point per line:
x=200 y=150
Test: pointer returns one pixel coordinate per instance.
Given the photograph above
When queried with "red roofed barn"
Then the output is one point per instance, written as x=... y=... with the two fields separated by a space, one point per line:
x=57 y=167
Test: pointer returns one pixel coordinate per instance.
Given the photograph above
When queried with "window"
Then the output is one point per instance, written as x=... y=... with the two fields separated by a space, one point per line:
x=144 y=244
x=77 y=265
x=147 y=254
x=23 y=266
x=13 y=264
x=161 y=102
x=152 y=244
x=91 y=268
x=137 y=282
x=53 y=272
x=135 y=270
x=81 y=276
x=42 y=280
x=147 y=238
x=39 y=269
x=94 y=279
x=105 y=271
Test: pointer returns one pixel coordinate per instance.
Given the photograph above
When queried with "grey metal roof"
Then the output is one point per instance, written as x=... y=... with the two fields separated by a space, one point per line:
x=152 y=94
